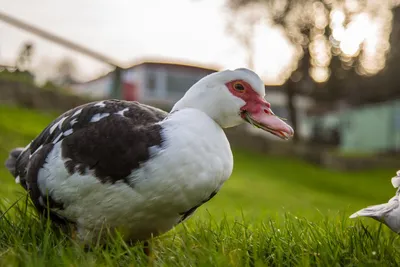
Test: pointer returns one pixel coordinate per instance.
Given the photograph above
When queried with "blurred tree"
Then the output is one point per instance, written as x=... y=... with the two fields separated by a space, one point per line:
x=337 y=40
x=24 y=59
x=64 y=72
x=242 y=29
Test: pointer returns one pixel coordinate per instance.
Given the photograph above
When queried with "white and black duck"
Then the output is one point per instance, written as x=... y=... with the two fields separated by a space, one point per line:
x=136 y=168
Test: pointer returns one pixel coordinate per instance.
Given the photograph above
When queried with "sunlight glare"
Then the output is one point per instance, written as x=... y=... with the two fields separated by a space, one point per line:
x=352 y=5
x=337 y=18
x=273 y=53
x=355 y=34
x=320 y=74
x=320 y=52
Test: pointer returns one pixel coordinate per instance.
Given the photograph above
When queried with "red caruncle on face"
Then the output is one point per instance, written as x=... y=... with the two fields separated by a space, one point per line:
x=257 y=110
x=254 y=102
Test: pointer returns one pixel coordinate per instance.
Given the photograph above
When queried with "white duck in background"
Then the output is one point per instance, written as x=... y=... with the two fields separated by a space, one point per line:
x=135 y=168
x=388 y=213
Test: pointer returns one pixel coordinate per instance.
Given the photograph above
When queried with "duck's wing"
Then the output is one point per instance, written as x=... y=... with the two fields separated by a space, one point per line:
x=378 y=211
x=109 y=139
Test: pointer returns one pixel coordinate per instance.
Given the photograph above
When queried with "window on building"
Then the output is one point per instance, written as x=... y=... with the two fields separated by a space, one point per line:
x=179 y=83
x=151 y=81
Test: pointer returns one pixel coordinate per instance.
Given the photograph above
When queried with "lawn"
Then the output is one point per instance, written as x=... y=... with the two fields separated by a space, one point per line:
x=271 y=212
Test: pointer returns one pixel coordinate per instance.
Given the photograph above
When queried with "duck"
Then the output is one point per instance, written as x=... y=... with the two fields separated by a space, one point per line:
x=386 y=213
x=136 y=169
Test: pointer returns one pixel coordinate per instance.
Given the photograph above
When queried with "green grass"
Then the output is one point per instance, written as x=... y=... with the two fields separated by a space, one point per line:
x=271 y=212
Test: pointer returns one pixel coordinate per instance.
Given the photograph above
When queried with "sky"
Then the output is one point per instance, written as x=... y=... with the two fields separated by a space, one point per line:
x=132 y=30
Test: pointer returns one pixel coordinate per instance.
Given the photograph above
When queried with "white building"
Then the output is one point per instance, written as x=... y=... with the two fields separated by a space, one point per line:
x=147 y=81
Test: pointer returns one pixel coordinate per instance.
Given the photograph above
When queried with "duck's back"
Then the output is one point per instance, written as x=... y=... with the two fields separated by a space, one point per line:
x=109 y=139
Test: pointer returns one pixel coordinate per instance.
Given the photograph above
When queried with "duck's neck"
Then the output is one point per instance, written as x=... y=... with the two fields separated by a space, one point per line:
x=199 y=104
x=193 y=134
x=191 y=118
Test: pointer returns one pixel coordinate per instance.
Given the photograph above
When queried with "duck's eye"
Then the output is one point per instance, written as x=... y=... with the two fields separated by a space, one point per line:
x=238 y=87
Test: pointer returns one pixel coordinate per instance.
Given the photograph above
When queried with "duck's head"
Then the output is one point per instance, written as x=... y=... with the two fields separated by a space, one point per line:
x=232 y=97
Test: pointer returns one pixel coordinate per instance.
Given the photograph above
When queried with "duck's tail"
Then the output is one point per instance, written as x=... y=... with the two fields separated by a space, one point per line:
x=17 y=164
x=11 y=162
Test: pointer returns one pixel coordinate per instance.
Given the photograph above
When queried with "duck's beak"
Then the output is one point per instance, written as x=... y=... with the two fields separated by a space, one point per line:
x=258 y=113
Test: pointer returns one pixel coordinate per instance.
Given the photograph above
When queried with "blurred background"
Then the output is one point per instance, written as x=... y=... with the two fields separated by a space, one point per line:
x=330 y=67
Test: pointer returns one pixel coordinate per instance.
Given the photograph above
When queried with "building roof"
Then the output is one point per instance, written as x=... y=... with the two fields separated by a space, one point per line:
x=174 y=63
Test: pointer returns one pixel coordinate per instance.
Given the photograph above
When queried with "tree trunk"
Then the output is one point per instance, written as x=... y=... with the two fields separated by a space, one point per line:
x=290 y=94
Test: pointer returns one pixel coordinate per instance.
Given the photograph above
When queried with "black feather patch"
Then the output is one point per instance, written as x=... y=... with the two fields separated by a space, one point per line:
x=115 y=145
x=109 y=139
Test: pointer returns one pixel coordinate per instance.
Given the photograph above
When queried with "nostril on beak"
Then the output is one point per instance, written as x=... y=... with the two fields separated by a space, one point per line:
x=267 y=111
